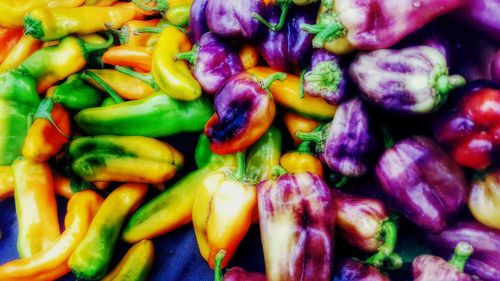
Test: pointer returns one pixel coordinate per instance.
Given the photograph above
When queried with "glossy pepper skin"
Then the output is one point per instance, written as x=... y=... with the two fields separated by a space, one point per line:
x=140 y=159
x=91 y=258
x=135 y=265
x=198 y=20
x=137 y=57
x=75 y=94
x=48 y=24
x=244 y=110
x=470 y=125
x=126 y=86
x=353 y=270
x=157 y=115
x=302 y=160
x=294 y=248
x=52 y=263
x=239 y=274
x=480 y=14
x=484 y=199
x=26 y=46
x=213 y=61
x=8 y=38
x=412 y=80
x=263 y=155
x=422 y=182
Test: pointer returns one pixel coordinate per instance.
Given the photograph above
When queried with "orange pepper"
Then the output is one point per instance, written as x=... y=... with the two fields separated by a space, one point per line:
x=127 y=87
x=6 y=182
x=62 y=186
x=295 y=122
x=26 y=46
x=52 y=263
x=140 y=14
x=137 y=57
x=128 y=35
x=297 y=162
x=8 y=40
x=249 y=55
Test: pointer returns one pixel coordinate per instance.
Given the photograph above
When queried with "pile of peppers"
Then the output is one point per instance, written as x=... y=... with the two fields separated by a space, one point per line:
x=324 y=124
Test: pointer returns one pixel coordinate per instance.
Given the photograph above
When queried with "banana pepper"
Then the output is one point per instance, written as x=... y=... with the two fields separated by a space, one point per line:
x=127 y=87
x=26 y=46
x=137 y=57
x=135 y=265
x=8 y=39
x=174 y=11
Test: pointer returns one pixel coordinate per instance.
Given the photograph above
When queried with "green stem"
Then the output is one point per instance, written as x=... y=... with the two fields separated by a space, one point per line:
x=312 y=28
x=218 y=265
x=241 y=168
x=161 y=5
x=148 y=79
x=342 y=182
x=92 y=47
x=463 y=250
x=304 y=147
x=44 y=111
x=445 y=83
x=190 y=56
x=157 y=30
x=314 y=136
x=388 y=140
x=121 y=34
x=394 y=261
x=266 y=83
x=389 y=232
x=110 y=91
x=324 y=33
x=301 y=83
x=278 y=171
x=285 y=7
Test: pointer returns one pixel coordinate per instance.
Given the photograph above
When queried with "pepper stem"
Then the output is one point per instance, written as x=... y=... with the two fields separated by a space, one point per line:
x=122 y=35
x=463 y=250
x=304 y=147
x=314 y=136
x=342 y=182
x=266 y=83
x=218 y=265
x=277 y=170
x=44 y=111
x=157 y=30
x=445 y=83
x=389 y=233
x=161 y=5
x=190 y=56
x=110 y=91
x=92 y=47
x=388 y=140
x=148 y=79
x=301 y=83
x=285 y=7
x=324 y=33
x=241 y=168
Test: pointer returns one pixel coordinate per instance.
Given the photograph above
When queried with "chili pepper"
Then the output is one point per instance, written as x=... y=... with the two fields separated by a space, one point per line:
x=484 y=199
x=249 y=55
x=173 y=207
x=239 y=274
x=52 y=263
x=175 y=11
x=137 y=57
x=222 y=213
x=290 y=47
x=21 y=51
x=470 y=125
x=263 y=155
x=428 y=267
x=36 y=207
x=18 y=101
x=103 y=3
x=6 y=182
x=140 y=159
x=346 y=144
x=135 y=265
x=213 y=61
x=8 y=39
x=422 y=182
x=296 y=248
x=388 y=79
x=480 y=14
x=295 y=122
x=285 y=6
x=244 y=110
x=56 y=23
x=286 y=94
x=126 y=86
x=75 y=94
x=157 y=115
x=393 y=21
x=128 y=34
x=140 y=14
x=354 y=270
x=91 y=258
x=52 y=64
x=327 y=78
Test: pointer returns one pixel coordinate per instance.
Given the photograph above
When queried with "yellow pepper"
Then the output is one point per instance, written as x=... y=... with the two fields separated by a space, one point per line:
x=297 y=162
x=484 y=199
x=127 y=87
x=249 y=55
x=52 y=263
x=295 y=122
x=135 y=265
x=103 y=3
x=174 y=77
x=6 y=182
x=26 y=46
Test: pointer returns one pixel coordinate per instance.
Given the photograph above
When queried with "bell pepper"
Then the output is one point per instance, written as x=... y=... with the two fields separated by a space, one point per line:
x=137 y=57
x=36 y=207
x=173 y=207
x=286 y=94
x=18 y=101
x=422 y=182
x=263 y=155
x=374 y=24
x=296 y=227
x=239 y=274
x=135 y=265
x=249 y=55
x=346 y=145
x=157 y=115
x=26 y=46
x=413 y=80
x=91 y=258
x=8 y=38
x=52 y=263
x=213 y=61
x=353 y=270
x=197 y=20
x=75 y=94
x=124 y=159
x=244 y=110
x=302 y=160
x=295 y=122
x=48 y=24
x=52 y=64
x=480 y=14
x=428 y=267
x=470 y=125
x=285 y=6
x=484 y=199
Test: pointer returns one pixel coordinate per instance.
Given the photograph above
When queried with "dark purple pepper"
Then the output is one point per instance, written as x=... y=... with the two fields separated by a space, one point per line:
x=495 y=68
x=239 y=274
x=233 y=19
x=422 y=182
x=433 y=35
x=197 y=20
x=352 y=270
x=213 y=61
x=327 y=78
x=347 y=143
x=482 y=15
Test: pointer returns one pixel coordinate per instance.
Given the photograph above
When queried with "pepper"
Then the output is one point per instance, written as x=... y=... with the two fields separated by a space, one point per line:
x=124 y=159
x=18 y=101
x=91 y=258
x=135 y=265
x=48 y=24
x=374 y=24
x=213 y=61
x=128 y=34
x=103 y=3
x=295 y=122
x=140 y=14
x=428 y=267
x=470 y=125
x=354 y=270
x=495 y=68
x=127 y=87
x=244 y=110
x=198 y=20
x=484 y=199
x=52 y=64
x=239 y=274
x=52 y=263
x=346 y=144
x=302 y=160
x=286 y=94
x=480 y=14
x=174 y=11
x=26 y=46
x=413 y=80
x=422 y=182
x=6 y=182
x=263 y=155
x=36 y=207
x=75 y=94
x=296 y=227
x=285 y=6
x=8 y=39
x=157 y=115
x=137 y=57
x=249 y=55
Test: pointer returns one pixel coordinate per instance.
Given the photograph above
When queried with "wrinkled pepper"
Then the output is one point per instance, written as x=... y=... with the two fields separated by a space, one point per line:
x=26 y=46
x=137 y=57
x=484 y=199
x=353 y=270
x=127 y=87
x=8 y=39
x=198 y=20
x=124 y=159
x=52 y=263
x=263 y=155
x=91 y=258
x=239 y=274
x=75 y=94
x=295 y=122
x=249 y=55
x=135 y=265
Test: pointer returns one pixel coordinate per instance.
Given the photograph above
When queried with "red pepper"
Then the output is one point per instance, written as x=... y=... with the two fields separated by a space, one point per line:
x=8 y=39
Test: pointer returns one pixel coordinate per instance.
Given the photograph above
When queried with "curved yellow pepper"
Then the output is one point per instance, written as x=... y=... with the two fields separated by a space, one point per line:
x=135 y=265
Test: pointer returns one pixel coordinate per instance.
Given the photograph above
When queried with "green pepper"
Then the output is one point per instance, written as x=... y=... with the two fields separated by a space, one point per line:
x=263 y=156
x=107 y=102
x=18 y=101
x=75 y=94
x=202 y=153
x=157 y=115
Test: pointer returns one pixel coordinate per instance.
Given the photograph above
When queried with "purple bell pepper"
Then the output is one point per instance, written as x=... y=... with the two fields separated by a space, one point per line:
x=422 y=182
x=327 y=78
x=213 y=61
x=239 y=274
x=485 y=260
x=233 y=19
x=413 y=80
x=495 y=68
x=483 y=15
x=197 y=20
x=346 y=145
x=352 y=270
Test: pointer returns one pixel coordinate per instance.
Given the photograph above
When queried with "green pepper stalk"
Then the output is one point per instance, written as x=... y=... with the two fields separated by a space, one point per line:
x=385 y=253
x=463 y=250
x=285 y=7
x=147 y=78
x=87 y=74
x=218 y=262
